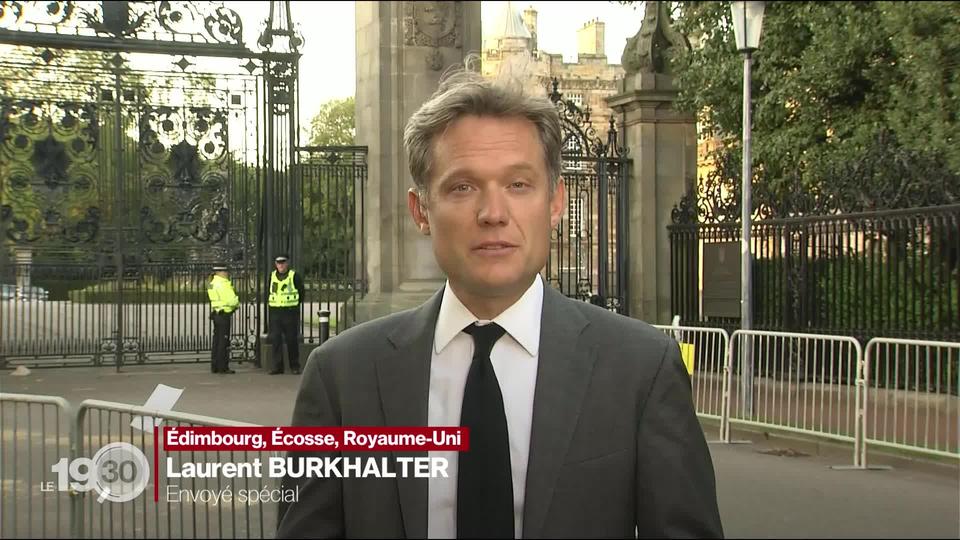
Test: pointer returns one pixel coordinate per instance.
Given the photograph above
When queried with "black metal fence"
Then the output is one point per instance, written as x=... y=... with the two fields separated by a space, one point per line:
x=333 y=185
x=892 y=273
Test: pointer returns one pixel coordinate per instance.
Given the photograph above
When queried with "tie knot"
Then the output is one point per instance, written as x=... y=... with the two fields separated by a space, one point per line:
x=484 y=337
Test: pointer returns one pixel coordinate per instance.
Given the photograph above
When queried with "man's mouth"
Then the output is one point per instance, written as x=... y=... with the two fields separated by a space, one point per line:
x=494 y=247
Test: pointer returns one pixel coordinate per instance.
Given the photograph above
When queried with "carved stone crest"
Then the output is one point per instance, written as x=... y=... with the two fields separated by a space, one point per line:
x=435 y=60
x=432 y=24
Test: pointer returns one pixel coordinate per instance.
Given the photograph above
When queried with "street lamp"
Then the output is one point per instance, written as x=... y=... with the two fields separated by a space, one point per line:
x=747 y=20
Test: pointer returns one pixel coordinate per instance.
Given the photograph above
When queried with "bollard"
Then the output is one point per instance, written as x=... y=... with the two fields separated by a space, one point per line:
x=324 y=325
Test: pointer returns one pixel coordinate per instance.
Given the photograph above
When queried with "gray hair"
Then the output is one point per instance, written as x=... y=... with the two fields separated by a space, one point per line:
x=464 y=92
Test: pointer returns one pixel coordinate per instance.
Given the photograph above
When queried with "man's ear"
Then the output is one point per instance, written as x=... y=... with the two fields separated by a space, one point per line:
x=558 y=203
x=418 y=210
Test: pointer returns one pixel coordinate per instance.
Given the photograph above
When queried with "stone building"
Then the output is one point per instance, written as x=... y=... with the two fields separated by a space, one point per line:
x=511 y=49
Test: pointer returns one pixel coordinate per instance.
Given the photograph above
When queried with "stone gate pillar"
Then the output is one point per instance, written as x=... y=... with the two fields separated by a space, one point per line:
x=402 y=49
x=663 y=145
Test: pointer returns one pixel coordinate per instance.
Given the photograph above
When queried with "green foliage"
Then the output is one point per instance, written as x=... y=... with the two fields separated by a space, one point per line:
x=62 y=289
x=147 y=289
x=898 y=294
x=334 y=124
x=829 y=81
x=926 y=98
x=862 y=292
x=328 y=223
x=151 y=289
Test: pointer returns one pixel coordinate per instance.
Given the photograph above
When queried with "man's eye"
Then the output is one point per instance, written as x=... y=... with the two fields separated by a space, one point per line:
x=519 y=185
x=462 y=188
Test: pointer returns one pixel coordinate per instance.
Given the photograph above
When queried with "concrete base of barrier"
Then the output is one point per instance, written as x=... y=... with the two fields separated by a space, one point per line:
x=867 y=468
x=767 y=439
x=738 y=441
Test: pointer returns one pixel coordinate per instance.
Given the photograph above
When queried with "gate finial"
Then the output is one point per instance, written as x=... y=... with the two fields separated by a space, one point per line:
x=280 y=24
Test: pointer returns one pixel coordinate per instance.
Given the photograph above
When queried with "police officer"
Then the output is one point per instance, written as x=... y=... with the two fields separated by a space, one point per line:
x=284 y=298
x=223 y=302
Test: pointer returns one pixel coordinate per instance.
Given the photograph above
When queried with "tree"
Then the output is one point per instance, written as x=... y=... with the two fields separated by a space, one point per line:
x=334 y=124
x=835 y=85
x=927 y=97
x=856 y=108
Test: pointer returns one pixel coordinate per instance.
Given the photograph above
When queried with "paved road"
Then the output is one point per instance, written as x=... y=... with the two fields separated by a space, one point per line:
x=760 y=494
x=777 y=496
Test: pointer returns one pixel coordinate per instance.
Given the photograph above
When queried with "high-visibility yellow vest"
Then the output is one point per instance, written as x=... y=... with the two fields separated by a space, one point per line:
x=283 y=293
x=222 y=296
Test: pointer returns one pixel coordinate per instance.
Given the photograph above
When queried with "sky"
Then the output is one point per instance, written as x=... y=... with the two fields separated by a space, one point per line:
x=327 y=68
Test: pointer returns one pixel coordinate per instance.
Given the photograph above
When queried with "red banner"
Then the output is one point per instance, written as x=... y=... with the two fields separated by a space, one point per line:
x=316 y=439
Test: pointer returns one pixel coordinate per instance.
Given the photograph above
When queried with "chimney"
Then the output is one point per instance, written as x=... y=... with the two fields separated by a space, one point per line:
x=590 y=38
x=530 y=21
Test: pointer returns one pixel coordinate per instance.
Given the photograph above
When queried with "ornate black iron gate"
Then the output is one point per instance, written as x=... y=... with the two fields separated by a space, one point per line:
x=139 y=143
x=588 y=254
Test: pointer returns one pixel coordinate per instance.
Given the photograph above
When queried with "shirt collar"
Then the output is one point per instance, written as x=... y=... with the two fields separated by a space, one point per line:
x=521 y=320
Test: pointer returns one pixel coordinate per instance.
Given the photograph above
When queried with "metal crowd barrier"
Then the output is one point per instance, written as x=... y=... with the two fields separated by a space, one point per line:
x=910 y=398
x=39 y=432
x=34 y=436
x=707 y=350
x=805 y=383
x=101 y=422
x=895 y=393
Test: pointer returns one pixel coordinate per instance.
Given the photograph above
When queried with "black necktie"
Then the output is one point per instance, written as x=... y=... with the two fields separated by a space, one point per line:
x=484 y=480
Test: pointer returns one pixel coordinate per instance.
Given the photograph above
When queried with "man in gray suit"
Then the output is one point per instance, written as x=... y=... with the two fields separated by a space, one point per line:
x=581 y=420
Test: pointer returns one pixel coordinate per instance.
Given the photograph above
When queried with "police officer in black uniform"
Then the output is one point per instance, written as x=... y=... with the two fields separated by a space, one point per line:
x=285 y=296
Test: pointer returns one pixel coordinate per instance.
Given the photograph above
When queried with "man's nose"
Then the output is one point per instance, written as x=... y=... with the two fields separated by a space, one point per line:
x=494 y=208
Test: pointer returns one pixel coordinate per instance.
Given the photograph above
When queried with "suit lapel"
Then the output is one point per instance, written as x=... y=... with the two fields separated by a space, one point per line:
x=403 y=375
x=563 y=374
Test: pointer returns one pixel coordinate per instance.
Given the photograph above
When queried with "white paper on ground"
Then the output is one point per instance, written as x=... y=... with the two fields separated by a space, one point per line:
x=163 y=398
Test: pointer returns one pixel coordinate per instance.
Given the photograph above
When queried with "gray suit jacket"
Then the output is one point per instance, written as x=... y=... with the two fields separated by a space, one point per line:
x=615 y=449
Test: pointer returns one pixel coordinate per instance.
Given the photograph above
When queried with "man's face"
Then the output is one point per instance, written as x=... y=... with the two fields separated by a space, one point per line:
x=281 y=266
x=489 y=209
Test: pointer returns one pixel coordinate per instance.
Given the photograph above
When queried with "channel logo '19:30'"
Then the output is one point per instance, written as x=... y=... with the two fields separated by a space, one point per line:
x=118 y=472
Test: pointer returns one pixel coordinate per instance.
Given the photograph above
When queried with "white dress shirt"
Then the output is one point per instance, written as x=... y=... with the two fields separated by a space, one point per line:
x=514 y=358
